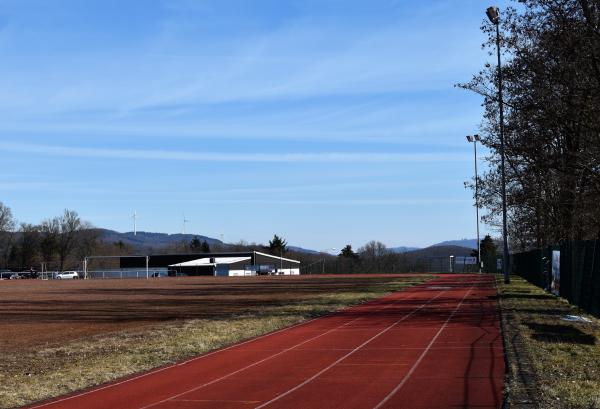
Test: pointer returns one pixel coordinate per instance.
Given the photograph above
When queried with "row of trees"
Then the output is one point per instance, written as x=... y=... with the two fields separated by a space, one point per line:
x=375 y=257
x=63 y=241
x=551 y=82
x=59 y=242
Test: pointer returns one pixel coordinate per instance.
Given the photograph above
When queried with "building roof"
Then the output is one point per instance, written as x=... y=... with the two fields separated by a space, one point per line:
x=206 y=261
x=276 y=257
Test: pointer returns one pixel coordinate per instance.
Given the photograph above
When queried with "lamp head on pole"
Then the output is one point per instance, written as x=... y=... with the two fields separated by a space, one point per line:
x=469 y=138
x=493 y=14
x=476 y=137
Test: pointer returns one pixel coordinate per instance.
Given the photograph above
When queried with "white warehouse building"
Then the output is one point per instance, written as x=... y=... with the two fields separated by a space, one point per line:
x=216 y=264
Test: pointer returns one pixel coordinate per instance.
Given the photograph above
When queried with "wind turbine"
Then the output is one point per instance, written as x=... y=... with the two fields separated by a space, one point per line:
x=134 y=217
x=184 y=222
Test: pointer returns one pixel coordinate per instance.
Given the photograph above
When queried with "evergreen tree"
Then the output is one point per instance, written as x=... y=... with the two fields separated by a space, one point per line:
x=204 y=247
x=488 y=254
x=347 y=252
x=196 y=245
x=277 y=245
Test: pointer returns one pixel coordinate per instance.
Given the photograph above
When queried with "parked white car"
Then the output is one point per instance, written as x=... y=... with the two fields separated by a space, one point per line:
x=68 y=275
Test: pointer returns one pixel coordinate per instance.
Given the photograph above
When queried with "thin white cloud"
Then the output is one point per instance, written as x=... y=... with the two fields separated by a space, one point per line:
x=377 y=131
x=316 y=202
x=199 y=156
x=339 y=202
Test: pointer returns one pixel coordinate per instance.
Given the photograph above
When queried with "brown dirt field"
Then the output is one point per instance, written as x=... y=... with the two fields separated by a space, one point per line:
x=35 y=313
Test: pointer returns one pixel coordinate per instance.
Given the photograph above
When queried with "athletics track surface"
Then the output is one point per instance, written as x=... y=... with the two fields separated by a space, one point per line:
x=436 y=345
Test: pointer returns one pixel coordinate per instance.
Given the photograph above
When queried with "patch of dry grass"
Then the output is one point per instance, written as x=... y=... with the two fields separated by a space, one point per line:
x=30 y=376
x=557 y=362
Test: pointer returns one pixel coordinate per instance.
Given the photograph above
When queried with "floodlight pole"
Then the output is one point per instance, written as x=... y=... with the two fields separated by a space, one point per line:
x=474 y=139
x=494 y=15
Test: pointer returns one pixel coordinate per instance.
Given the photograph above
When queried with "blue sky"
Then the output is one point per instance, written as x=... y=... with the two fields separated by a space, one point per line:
x=326 y=122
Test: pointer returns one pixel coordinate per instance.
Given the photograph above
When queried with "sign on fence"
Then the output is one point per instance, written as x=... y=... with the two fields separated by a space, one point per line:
x=465 y=260
x=555 y=286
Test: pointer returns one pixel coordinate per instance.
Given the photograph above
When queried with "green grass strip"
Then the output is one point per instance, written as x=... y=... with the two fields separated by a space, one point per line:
x=554 y=363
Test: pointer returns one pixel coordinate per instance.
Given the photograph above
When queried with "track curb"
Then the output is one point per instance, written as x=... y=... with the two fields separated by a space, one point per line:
x=521 y=385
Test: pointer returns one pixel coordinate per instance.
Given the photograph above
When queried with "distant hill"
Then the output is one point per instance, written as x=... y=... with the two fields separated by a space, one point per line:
x=468 y=243
x=151 y=240
x=301 y=250
x=147 y=240
x=439 y=251
x=403 y=249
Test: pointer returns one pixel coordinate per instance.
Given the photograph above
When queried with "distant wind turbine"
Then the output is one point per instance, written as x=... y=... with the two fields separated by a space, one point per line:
x=134 y=217
x=184 y=222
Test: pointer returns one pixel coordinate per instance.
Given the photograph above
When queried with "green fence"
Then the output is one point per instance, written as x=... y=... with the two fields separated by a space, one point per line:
x=579 y=271
x=530 y=266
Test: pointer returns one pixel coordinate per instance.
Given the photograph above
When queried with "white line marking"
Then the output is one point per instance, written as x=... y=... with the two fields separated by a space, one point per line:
x=155 y=371
x=416 y=364
x=347 y=355
x=174 y=365
x=220 y=401
x=374 y=364
x=175 y=397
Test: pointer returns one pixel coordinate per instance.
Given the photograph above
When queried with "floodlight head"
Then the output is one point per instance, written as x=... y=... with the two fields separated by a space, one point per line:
x=476 y=137
x=493 y=14
x=469 y=138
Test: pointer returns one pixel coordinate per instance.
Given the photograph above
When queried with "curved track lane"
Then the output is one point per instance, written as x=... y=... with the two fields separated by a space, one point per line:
x=436 y=345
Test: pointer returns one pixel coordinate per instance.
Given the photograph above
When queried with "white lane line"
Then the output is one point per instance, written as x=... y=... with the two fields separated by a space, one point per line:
x=164 y=368
x=347 y=355
x=217 y=401
x=155 y=371
x=416 y=364
x=378 y=364
x=175 y=397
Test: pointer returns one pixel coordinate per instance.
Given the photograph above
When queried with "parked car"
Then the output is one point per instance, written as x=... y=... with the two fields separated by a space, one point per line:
x=28 y=274
x=5 y=274
x=158 y=274
x=67 y=275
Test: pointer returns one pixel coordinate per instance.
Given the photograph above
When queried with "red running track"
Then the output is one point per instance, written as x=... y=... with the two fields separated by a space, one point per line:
x=436 y=345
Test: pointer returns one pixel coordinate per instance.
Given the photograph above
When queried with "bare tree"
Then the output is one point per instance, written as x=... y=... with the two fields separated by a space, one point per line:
x=7 y=226
x=551 y=81
x=28 y=245
x=87 y=240
x=49 y=231
x=373 y=256
x=69 y=225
